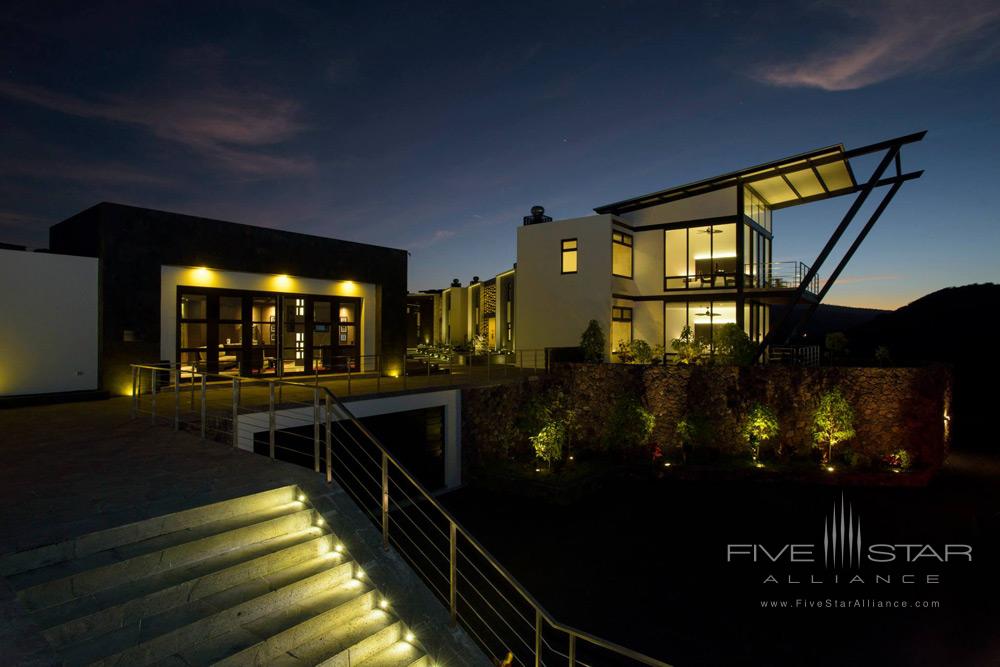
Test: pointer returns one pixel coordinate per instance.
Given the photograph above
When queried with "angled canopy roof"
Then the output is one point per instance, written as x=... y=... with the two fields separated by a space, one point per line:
x=821 y=173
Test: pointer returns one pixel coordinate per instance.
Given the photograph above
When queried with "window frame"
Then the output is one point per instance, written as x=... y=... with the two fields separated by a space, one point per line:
x=562 y=255
x=631 y=255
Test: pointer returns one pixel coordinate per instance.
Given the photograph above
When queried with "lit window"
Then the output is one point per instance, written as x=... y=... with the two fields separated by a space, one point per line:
x=621 y=326
x=569 y=250
x=621 y=254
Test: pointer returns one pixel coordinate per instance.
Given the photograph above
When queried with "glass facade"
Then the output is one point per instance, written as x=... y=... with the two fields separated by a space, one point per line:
x=700 y=257
x=706 y=318
x=755 y=208
x=288 y=333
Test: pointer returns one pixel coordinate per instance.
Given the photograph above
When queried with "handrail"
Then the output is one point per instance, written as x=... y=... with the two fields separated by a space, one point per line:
x=457 y=528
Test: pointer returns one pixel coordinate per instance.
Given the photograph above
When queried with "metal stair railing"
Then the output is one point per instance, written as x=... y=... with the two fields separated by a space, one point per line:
x=308 y=424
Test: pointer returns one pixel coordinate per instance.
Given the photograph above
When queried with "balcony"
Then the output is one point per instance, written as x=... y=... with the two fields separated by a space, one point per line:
x=722 y=273
x=780 y=275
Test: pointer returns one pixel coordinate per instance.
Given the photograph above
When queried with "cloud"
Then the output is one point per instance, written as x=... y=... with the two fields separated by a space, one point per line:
x=899 y=37
x=230 y=126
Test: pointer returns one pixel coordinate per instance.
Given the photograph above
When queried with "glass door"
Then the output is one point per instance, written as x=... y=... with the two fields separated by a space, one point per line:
x=293 y=336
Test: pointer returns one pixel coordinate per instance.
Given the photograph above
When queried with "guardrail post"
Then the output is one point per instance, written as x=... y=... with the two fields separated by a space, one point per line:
x=135 y=392
x=236 y=413
x=488 y=357
x=378 y=374
x=271 y=426
x=385 y=500
x=348 y=375
x=329 y=439
x=177 y=396
x=152 y=400
x=538 y=638
x=316 y=429
x=453 y=572
x=404 y=372
x=572 y=650
x=204 y=408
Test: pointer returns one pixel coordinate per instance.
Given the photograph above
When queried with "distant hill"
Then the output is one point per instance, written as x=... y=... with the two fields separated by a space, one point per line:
x=829 y=318
x=953 y=325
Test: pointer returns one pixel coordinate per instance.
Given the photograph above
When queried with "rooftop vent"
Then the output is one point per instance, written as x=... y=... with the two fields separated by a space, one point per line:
x=537 y=216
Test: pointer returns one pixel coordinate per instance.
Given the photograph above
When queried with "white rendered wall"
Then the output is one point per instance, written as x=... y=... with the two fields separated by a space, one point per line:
x=49 y=328
x=172 y=276
x=552 y=309
x=457 y=316
x=709 y=205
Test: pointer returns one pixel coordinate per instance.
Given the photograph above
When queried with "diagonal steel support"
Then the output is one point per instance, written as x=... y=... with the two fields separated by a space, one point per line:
x=804 y=319
x=892 y=151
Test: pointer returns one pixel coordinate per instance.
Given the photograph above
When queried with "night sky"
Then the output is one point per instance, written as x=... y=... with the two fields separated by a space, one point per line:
x=435 y=126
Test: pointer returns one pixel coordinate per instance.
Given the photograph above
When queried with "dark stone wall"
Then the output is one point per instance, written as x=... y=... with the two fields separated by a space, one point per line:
x=894 y=407
x=132 y=243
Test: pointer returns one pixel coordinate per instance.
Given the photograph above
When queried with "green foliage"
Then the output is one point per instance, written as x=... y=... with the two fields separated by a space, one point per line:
x=592 y=343
x=882 y=356
x=629 y=426
x=899 y=459
x=833 y=422
x=658 y=353
x=836 y=343
x=549 y=442
x=733 y=346
x=637 y=351
x=857 y=459
x=689 y=350
x=759 y=426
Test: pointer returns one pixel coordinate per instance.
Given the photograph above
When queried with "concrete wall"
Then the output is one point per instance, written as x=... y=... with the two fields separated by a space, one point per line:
x=49 y=327
x=709 y=205
x=172 y=276
x=457 y=316
x=553 y=309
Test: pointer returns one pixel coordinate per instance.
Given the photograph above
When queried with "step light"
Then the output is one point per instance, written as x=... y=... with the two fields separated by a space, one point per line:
x=410 y=637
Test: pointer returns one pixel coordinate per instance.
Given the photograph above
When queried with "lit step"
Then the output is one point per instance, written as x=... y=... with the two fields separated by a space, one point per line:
x=139 y=531
x=136 y=600
x=160 y=554
x=171 y=632
x=362 y=638
x=400 y=654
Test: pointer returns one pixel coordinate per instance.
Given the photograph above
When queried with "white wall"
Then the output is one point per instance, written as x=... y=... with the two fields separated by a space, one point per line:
x=551 y=309
x=49 y=327
x=172 y=276
x=709 y=205
x=457 y=317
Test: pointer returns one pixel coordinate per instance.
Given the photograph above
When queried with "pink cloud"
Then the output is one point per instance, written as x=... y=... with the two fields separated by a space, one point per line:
x=899 y=37
x=233 y=127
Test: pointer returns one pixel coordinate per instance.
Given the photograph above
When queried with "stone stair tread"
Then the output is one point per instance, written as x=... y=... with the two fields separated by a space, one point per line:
x=160 y=625
x=260 y=630
x=400 y=654
x=335 y=640
x=130 y=591
x=46 y=573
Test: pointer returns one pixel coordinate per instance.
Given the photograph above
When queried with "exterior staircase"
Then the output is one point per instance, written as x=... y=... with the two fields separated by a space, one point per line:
x=255 y=580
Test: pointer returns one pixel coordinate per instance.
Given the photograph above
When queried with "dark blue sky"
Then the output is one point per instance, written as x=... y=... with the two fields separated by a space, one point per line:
x=435 y=126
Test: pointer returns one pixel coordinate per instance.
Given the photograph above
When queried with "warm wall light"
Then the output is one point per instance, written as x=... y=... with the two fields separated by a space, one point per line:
x=282 y=281
x=202 y=276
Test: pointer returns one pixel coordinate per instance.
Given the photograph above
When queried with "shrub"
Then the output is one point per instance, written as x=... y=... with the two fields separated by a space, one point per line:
x=898 y=459
x=592 y=343
x=882 y=356
x=548 y=442
x=833 y=422
x=624 y=353
x=642 y=353
x=733 y=346
x=628 y=427
x=688 y=349
x=759 y=426
x=836 y=344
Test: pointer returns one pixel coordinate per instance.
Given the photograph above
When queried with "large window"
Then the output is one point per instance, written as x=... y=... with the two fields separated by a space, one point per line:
x=700 y=257
x=621 y=326
x=706 y=318
x=755 y=208
x=621 y=254
x=259 y=333
x=569 y=250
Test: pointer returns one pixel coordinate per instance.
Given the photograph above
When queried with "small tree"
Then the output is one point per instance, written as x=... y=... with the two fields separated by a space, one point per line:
x=629 y=426
x=689 y=350
x=760 y=425
x=833 y=422
x=592 y=343
x=548 y=443
x=733 y=346
x=836 y=344
x=882 y=356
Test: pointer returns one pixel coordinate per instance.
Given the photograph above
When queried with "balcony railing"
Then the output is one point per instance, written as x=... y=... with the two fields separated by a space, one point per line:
x=781 y=275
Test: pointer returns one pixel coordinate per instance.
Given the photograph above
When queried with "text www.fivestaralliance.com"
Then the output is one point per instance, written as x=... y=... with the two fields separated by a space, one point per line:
x=851 y=603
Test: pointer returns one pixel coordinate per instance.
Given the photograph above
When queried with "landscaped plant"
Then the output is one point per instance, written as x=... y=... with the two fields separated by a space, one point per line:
x=882 y=356
x=624 y=353
x=898 y=460
x=689 y=432
x=548 y=442
x=836 y=344
x=592 y=343
x=833 y=423
x=628 y=427
x=689 y=350
x=759 y=426
x=659 y=354
x=733 y=346
x=479 y=344
x=642 y=353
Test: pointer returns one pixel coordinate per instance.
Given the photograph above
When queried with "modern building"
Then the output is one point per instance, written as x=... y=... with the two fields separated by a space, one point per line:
x=134 y=285
x=698 y=255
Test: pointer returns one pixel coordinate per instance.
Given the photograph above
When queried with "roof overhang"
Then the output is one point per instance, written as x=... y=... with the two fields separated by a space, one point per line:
x=798 y=179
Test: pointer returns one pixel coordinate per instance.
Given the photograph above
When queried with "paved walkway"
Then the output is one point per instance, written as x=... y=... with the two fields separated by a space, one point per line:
x=74 y=468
